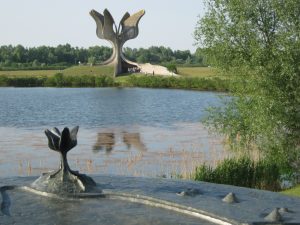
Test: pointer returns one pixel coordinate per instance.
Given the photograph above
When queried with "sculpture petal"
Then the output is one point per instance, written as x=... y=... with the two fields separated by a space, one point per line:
x=130 y=25
x=74 y=132
x=126 y=16
x=109 y=23
x=99 y=19
x=68 y=139
x=56 y=131
x=53 y=140
x=65 y=140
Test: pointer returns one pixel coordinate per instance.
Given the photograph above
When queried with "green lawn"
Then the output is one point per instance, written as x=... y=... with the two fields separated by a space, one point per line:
x=88 y=70
x=106 y=70
x=74 y=70
x=29 y=73
x=293 y=191
x=197 y=71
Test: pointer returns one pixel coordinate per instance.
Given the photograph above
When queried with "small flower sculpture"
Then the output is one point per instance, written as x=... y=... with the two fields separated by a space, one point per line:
x=117 y=36
x=64 y=180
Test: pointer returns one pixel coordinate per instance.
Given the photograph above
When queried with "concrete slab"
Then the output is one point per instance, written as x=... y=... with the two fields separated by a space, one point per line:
x=168 y=201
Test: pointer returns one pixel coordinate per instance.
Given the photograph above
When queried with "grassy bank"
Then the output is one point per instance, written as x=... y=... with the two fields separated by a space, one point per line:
x=205 y=72
x=101 y=76
x=293 y=191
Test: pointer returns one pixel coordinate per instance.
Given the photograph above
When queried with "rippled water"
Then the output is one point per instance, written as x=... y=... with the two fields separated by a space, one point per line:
x=130 y=131
x=36 y=107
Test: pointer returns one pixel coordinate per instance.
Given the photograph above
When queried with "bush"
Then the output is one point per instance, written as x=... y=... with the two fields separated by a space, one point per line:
x=172 y=68
x=104 y=81
x=3 y=81
x=196 y=83
x=61 y=80
x=25 y=81
x=242 y=172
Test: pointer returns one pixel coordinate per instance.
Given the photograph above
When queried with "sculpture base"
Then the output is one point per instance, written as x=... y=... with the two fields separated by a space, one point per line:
x=64 y=182
x=132 y=200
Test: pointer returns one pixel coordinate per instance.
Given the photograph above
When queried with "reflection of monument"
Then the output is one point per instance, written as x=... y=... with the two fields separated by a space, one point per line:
x=106 y=141
x=133 y=140
x=117 y=36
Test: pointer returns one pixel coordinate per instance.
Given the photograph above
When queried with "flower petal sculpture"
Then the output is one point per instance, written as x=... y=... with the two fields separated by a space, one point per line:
x=117 y=36
x=64 y=180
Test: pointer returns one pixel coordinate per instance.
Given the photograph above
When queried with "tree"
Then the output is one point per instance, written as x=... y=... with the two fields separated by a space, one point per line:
x=172 y=68
x=92 y=60
x=258 y=42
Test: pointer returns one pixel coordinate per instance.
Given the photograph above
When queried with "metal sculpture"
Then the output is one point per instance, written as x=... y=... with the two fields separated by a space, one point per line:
x=64 y=180
x=117 y=36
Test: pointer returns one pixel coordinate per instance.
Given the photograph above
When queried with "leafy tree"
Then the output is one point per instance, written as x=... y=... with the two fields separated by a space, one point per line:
x=172 y=68
x=257 y=41
x=66 y=55
x=35 y=63
x=92 y=60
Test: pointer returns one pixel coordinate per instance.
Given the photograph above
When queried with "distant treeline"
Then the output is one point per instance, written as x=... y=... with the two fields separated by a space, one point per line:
x=62 y=56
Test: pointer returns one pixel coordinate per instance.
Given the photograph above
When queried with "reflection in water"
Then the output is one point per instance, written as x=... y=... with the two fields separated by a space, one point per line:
x=124 y=150
x=133 y=140
x=106 y=141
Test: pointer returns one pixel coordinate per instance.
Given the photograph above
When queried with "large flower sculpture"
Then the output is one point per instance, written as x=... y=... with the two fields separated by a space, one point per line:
x=117 y=36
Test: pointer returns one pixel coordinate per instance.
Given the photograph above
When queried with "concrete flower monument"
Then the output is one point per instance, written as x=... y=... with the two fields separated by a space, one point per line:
x=117 y=36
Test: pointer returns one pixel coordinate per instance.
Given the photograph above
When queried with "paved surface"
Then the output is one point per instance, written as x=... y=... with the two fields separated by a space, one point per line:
x=150 y=69
x=149 y=201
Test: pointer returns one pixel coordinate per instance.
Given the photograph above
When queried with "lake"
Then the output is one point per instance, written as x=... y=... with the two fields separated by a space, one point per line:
x=124 y=131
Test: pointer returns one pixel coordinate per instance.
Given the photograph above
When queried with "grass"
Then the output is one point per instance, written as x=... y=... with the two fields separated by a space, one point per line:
x=196 y=78
x=204 y=72
x=243 y=172
x=197 y=72
x=29 y=73
x=293 y=191
x=74 y=71
x=88 y=70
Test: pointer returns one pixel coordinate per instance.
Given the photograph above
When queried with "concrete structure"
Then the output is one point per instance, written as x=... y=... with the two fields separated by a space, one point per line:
x=132 y=200
x=68 y=197
x=117 y=36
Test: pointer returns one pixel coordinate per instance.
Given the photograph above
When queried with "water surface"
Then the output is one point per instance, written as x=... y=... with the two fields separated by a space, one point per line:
x=125 y=131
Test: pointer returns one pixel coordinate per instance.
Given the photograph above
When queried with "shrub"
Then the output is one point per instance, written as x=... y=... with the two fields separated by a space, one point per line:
x=104 y=81
x=242 y=172
x=213 y=84
x=172 y=68
x=3 y=81
x=25 y=81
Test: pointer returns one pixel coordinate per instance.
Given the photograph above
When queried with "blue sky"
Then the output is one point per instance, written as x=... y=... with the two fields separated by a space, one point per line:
x=52 y=22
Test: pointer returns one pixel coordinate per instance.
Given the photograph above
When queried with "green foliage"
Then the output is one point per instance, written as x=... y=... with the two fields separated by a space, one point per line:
x=172 y=68
x=196 y=83
x=101 y=76
x=3 y=81
x=25 y=81
x=259 y=43
x=104 y=81
x=58 y=80
x=242 y=172
x=92 y=60
x=61 y=80
x=44 y=57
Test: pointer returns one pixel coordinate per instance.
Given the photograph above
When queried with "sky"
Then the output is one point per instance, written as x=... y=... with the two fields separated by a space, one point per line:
x=32 y=23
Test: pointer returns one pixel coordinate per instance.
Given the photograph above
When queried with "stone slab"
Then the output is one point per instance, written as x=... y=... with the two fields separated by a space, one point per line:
x=151 y=201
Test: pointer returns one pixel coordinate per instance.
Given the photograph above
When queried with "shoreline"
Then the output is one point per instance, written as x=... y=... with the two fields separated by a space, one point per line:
x=128 y=81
